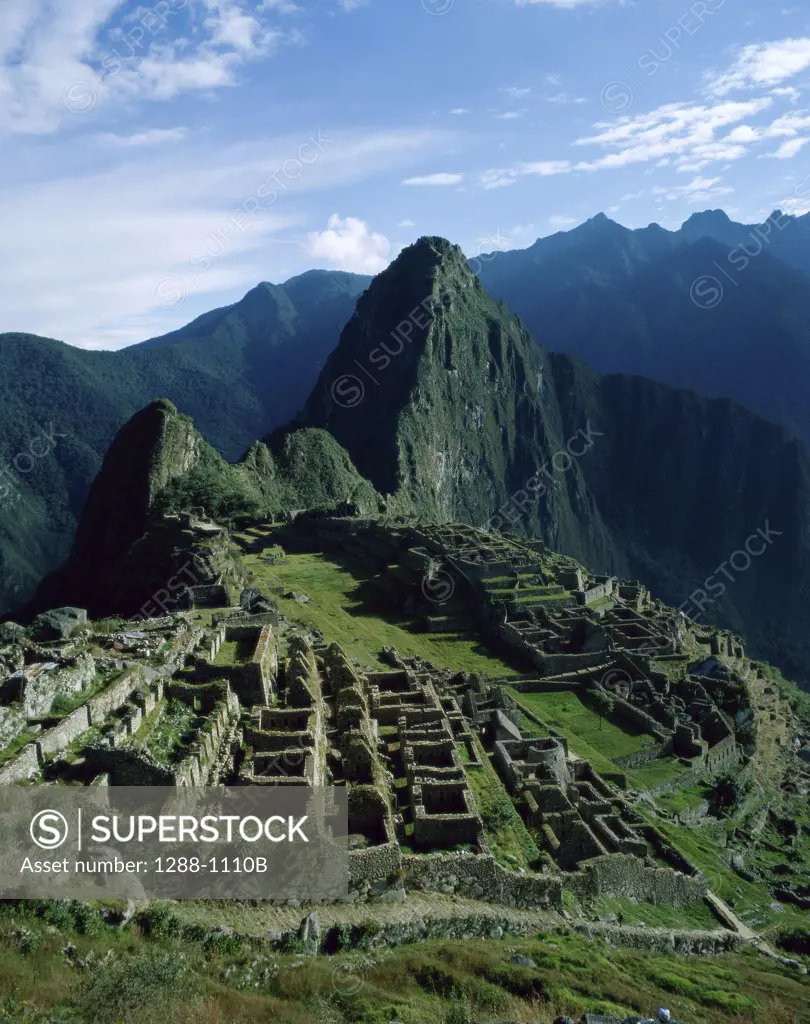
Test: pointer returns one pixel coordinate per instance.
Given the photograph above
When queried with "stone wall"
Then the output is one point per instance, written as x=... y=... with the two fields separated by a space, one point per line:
x=13 y=722
x=623 y=709
x=63 y=734
x=665 y=940
x=114 y=696
x=39 y=687
x=374 y=871
x=624 y=875
x=477 y=876
x=128 y=767
x=23 y=766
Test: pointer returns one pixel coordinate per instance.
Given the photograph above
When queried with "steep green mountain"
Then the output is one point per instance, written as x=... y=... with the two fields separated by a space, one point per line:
x=448 y=410
x=680 y=307
x=158 y=462
x=468 y=419
x=239 y=371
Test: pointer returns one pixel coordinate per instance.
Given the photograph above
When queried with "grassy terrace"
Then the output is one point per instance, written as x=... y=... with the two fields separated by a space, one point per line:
x=234 y=652
x=337 y=608
x=746 y=898
x=506 y=833
x=164 y=733
x=568 y=714
x=595 y=739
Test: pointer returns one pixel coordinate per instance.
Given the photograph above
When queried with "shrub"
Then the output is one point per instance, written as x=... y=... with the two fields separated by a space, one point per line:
x=136 y=988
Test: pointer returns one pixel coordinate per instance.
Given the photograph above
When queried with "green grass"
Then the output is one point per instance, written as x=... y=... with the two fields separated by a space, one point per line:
x=746 y=898
x=64 y=703
x=659 y=772
x=234 y=652
x=595 y=739
x=697 y=916
x=16 y=745
x=337 y=610
x=568 y=714
x=162 y=733
x=165 y=976
x=678 y=800
x=506 y=833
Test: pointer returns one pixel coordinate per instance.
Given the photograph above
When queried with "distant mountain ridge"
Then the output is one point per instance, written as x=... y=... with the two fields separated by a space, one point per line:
x=717 y=307
x=470 y=420
x=240 y=371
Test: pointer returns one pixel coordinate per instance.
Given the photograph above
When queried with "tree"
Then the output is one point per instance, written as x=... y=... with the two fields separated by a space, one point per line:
x=604 y=704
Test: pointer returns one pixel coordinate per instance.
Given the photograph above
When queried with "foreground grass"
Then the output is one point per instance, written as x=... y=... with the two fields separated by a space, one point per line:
x=142 y=974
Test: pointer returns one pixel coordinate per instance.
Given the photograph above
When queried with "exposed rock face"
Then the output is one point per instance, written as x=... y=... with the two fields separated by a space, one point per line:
x=160 y=463
x=59 y=623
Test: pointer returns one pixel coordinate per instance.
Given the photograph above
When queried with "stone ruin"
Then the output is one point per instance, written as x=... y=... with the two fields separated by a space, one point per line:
x=250 y=699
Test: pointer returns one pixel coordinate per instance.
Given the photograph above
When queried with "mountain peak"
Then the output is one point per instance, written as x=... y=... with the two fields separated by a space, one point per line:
x=705 y=218
x=603 y=223
x=429 y=252
x=425 y=334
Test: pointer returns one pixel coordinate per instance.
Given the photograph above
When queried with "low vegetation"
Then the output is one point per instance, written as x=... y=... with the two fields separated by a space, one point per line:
x=61 y=964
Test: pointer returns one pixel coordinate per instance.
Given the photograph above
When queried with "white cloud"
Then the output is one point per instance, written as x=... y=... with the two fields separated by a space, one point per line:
x=515 y=93
x=789 y=149
x=570 y=4
x=687 y=137
x=458 y=111
x=501 y=177
x=280 y=6
x=348 y=244
x=687 y=133
x=441 y=178
x=352 y=5
x=150 y=137
x=762 y=64
x=788 y=91
x=510 y=115
x=59 y=62
x=562 y=98
x=699 y=190
x=407 y=223
x=561 y=221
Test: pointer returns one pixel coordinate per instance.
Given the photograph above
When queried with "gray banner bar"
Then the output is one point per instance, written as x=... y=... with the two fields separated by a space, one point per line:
x=141 y=842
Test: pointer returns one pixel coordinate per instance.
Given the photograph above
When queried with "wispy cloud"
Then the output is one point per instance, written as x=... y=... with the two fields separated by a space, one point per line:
x=101 y=240
x=559 y=3
x=761 y=65
x=441 y=178
x=61 y=60
x=699 y=190
x=686 y=136
x=563 y=98
x=150 y=137
x=788 y=149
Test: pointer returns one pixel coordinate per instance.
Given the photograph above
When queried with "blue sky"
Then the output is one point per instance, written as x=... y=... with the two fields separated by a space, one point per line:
x=162 y=158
